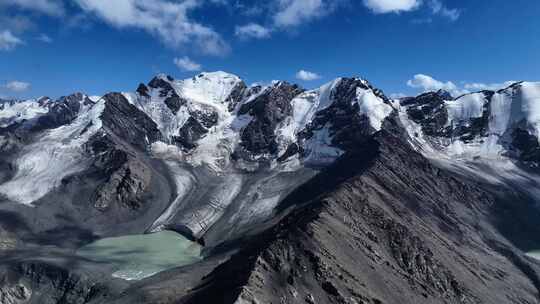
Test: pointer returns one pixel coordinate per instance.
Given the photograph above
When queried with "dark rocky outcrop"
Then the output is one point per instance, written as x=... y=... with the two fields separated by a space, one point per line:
x=528 y=145
x=142 y=90
x=163 y=85
x=174 y=103
x=190 y=133
x=127 y=132
x=268 y=110
x=237 y=94
x=62 y=112
x=348 y=129
x=126 y=177
x=127 y=122
x=429 y=111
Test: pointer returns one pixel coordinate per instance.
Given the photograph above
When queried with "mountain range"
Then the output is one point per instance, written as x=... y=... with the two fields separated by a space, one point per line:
x=337 y=194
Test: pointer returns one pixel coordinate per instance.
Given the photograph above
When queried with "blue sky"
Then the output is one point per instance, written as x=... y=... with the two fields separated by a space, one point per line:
x=56 y=47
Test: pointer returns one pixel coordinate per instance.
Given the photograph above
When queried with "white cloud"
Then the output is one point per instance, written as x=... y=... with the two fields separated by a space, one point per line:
x=428 y=83
x=252 y=30
x=285 y=15
x=307 y=76
x=475 y=86
x=392 y=6
x=53 y=8
x=396 y=6
x=165 y=19
x=186 y=64
x=8 y=41
x=17 y=86
x=44 y=38
x=439 y=9
x=295 y=12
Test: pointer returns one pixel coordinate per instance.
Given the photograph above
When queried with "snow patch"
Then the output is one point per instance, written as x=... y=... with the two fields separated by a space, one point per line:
x=319 y=148
x=14 y=112
x=373 y=107
x=208 y=88
x=57 y=153
x=531 y=104
x=466 y=107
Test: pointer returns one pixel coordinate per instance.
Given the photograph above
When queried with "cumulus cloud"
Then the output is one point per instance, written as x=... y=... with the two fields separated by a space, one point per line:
x=307 y=76
x=8 y=41
x=17 y=86
x=49 y=7
x=252 y=30
x=428 y=83
x=295 y=12
x=186 y=64
x=392 y=6
x=165 y=19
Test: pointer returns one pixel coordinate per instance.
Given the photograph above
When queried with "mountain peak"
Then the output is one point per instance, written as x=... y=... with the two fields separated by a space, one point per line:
x=217 y=75
x=444 y=94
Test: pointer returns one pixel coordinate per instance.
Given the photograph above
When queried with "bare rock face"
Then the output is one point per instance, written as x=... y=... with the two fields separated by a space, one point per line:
x=128 y=132
x=268 y=110
x=62 y=112
x=429 y=111
x=528 y=145
x=128 y=123
x=190 y=133
x=160 y=83
x=125 y=187
x=142 y=90
x=348 y=128
x=237 y=94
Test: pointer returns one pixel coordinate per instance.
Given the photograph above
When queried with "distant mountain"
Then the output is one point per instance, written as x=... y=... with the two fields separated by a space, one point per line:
x=332 y=195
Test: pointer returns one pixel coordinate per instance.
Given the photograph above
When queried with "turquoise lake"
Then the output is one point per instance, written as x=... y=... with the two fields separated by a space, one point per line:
x=135 y=257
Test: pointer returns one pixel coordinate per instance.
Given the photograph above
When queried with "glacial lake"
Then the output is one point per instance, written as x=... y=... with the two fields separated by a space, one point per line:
x=135 y=257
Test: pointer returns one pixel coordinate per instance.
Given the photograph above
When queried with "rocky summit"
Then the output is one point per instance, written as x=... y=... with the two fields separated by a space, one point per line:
x=270 y=194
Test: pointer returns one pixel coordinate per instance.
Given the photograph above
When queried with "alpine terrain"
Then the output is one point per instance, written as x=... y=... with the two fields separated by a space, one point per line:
x=207 y=190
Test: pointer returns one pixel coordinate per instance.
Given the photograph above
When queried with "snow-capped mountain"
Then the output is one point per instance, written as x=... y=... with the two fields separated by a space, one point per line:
x=211 y=128
x=269 y=177
x=214 y=121
x=486 y=124
x=214 y=116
